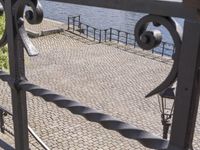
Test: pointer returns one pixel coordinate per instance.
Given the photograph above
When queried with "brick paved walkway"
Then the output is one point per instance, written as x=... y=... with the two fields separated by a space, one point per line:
x=99 y=76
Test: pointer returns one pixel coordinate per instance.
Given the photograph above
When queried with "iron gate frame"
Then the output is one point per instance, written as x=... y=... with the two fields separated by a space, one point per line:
x=185 y=68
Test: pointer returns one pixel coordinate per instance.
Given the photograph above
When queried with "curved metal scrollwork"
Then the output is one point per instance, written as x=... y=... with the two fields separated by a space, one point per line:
x=151 y=39
x=145 y=39
x=33 y=15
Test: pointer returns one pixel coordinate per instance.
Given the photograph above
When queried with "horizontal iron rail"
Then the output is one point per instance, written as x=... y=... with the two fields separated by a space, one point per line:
x=177 y=8
x=37 y=138
x=145 y=138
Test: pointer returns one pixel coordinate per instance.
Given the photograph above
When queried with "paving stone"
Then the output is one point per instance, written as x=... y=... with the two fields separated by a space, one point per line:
x=101 y=76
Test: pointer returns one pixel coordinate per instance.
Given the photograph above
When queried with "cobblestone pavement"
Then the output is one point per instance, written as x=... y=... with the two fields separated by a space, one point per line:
x=99 y=76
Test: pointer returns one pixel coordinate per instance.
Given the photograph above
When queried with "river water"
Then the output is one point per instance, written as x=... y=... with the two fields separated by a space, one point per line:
x=100 y=18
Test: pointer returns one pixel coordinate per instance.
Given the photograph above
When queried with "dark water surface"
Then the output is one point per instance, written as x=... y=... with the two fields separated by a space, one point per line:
x=98 y=17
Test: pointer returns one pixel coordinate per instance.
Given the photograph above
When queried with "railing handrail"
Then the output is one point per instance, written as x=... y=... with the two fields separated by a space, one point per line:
x=144 y=137
x=96 y=34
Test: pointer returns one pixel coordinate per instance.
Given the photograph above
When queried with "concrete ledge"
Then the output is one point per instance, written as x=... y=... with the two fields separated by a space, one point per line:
x=33 y=34
x=51 y=31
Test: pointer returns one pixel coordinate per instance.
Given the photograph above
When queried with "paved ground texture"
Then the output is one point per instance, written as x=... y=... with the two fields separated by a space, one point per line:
x=100 y=76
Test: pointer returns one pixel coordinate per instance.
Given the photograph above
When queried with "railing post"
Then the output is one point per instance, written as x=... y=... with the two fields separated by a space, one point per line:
x=188 y=89
x=17 y=73
x=79 y=18
x=80 y=28
x=105 y=35
x=68 y=23
x=94 y=34
x=134 y=44
x=73 y=19
x=163 y=48
x=2 y=121
x=87 y=30
x=118 y=34
x=99 y=36
x=173 y=50
x=126 y=38
x=110 y=34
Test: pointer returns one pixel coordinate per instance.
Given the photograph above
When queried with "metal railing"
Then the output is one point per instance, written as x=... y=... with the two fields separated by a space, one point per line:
x=4 y=113
x=185 y=68
x=114 y=35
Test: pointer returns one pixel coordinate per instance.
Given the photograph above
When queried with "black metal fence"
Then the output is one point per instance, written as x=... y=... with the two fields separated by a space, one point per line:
x=114 y=35
x=185 y=69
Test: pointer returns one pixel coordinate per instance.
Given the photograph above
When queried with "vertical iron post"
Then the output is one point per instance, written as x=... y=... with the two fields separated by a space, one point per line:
x=87 y=30
x=80 y=29
x=188 y=88
x=163 y=48
x=99 y=36
x=17 y=72
x=79 y=18
x=173 y=50
x=94 y=34
x=68 y=23
x=105 y=35
x=118 y=34
x=2 y=121
x=73 y=19
x=126 y=38
x=110 y=34
x=134 y=44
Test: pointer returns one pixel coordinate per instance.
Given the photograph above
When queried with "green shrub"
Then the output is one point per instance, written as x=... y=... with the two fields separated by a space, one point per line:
x=4 y=50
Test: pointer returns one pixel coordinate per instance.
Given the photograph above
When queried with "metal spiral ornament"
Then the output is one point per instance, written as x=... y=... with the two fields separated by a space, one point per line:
x=145 y=138
x=151 y=39
x=33 y=15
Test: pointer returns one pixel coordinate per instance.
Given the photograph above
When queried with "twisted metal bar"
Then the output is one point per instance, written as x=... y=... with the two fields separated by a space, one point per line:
x=145 y=138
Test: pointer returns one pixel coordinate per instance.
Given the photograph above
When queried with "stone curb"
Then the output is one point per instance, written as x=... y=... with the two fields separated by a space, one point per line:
x=51 y=31
x=34 y=34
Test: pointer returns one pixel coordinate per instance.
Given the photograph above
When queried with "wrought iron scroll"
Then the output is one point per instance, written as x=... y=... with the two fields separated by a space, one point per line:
x=145 y=138
x=145 y=39
x=33 y=15
x=151 y=39
x=14 y=14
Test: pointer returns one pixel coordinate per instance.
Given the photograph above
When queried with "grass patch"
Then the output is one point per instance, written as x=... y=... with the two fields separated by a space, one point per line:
x=3 y=50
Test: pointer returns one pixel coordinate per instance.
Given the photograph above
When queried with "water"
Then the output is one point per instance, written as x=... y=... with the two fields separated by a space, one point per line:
x=100 y=18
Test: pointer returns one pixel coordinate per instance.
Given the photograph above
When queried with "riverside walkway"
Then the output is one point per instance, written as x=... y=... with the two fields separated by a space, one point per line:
x=104 y=76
